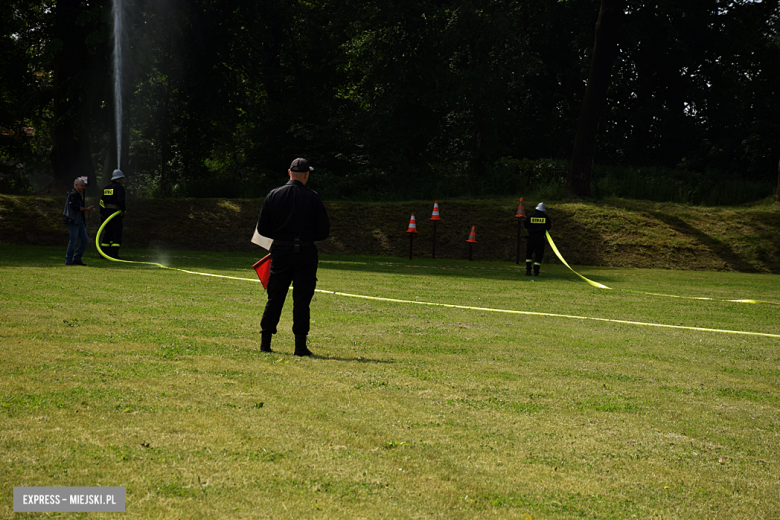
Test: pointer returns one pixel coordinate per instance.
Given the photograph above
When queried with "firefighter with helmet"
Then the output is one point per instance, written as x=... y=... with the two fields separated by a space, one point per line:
x=537 y=224
x=113 y=200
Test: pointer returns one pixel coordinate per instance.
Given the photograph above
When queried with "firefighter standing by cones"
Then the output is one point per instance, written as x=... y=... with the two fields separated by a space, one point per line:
x=113 y=200
x=537 y=224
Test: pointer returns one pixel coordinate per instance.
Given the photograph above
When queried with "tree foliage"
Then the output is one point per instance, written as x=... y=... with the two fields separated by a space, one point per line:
x=385 y=97
x=604 y=52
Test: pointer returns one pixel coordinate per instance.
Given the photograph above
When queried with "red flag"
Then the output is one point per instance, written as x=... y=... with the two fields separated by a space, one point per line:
x=263 y=269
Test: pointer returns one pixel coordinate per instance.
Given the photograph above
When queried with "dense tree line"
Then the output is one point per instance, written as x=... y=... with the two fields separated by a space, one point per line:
x=388 y=96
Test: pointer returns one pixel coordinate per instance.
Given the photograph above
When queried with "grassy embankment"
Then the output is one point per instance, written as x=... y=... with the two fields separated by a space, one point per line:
x=151 y=379
x=615 y=232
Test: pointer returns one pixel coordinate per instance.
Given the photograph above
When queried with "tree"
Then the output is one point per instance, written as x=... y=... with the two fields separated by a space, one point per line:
x=694 y=87
x=25 y=91
x=421 y=95
x=77 y=81
x=604 y=52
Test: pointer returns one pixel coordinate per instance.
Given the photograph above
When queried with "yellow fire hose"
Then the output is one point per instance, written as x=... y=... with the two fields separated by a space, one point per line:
x=483 y=309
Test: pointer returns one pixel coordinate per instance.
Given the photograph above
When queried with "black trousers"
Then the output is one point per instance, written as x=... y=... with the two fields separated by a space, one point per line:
x=300 y=269
x=112 y=233
x=535 y=247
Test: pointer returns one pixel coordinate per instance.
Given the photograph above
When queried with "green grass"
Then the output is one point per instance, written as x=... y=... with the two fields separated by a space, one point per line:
x=608 y=233
x=152 y=379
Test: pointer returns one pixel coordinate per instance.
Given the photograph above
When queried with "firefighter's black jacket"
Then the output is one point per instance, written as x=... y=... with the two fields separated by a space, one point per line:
x=537 y=223
x=113 y=199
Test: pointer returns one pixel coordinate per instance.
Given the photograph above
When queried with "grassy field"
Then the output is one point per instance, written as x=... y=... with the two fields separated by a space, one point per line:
x=151 y=379
x=607 y=233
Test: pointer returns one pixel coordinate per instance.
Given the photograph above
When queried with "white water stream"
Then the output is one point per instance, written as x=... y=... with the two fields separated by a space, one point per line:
x=117 y=11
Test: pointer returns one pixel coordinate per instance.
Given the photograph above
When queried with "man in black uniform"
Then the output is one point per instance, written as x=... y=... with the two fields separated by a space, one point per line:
x=113 y=199
x=537 y=225
x=294 y=217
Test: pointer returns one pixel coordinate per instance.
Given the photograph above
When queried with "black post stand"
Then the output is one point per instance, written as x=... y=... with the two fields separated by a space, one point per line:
x=433 y=254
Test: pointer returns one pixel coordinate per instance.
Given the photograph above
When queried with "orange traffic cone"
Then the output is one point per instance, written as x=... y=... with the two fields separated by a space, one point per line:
x=473 y=235
x=520 y=210
x=435 y=215
x=263 y=269
x=412 y=225
x=472 y=239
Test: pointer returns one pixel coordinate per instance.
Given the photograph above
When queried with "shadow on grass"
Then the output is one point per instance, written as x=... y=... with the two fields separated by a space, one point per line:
x=49 y=256
x=427 y=267
x=325 y=357
x=359 y=359
x=552 y=269
x=14 y=255
x=721 y=250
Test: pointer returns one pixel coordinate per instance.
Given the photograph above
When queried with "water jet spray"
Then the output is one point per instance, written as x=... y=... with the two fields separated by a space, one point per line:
x=117 y=12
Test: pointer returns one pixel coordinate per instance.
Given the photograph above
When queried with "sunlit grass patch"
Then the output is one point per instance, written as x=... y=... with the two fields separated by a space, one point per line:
x=407 y=411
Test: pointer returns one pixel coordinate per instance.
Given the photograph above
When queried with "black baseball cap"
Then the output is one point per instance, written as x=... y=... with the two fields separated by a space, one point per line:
x=300 y=165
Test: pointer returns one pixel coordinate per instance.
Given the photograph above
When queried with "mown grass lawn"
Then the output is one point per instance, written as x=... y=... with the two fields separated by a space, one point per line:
x=151 y=379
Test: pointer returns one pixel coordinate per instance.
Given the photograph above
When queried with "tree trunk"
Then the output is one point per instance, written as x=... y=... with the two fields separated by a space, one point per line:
x=777 y=195
x=166 y=182
x=110 y=163
x=71 y=155
x=604 y=53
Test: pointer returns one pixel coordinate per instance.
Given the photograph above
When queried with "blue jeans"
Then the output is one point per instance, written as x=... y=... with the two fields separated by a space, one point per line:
x=78 y=234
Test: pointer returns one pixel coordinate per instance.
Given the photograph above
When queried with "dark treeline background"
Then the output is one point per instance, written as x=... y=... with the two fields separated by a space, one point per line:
x=391 y=99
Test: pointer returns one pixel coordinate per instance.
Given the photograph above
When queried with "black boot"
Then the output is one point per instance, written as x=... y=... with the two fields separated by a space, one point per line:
x=536 y=270
x=300 y=347
x=265 y=342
